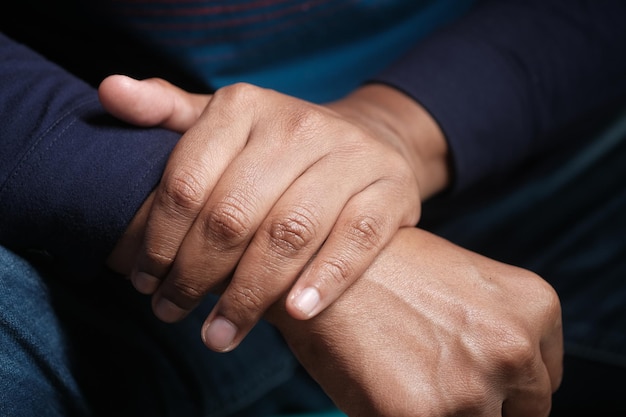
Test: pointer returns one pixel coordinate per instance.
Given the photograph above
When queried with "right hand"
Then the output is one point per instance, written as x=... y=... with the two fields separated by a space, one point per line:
x=434 y=330
x=267 y=194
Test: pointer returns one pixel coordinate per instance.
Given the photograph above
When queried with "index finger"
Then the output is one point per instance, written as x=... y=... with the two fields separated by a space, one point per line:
x=194 y=167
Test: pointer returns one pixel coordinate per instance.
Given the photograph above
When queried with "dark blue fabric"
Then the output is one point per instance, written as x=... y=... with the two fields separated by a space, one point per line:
x=502 y=80
x=500 y=83
x=71 y=177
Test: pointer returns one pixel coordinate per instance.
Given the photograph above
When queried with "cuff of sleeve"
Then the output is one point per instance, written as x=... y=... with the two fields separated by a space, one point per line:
x=98 y=173
x=474 y=93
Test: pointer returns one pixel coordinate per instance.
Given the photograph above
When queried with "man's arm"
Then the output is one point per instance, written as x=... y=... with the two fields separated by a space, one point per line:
x=504 y=78
x=430 y=329
x=71 y=177
x=224 y=212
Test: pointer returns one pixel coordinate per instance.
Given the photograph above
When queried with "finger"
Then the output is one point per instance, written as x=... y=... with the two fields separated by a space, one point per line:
x=151 y=102
x=194 y=167
x=230 y=321
x=238 y=204
x=552 y=343
x=533 y=397
x=364 y=227
x=290 y=235
x=299 y=223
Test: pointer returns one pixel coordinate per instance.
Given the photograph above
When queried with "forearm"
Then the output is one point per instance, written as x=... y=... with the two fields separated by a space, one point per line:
x=71 y=178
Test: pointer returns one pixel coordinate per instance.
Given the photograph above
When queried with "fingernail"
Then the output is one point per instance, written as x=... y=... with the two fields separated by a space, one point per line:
x=167 y=311
x=307 y=300
x=144 y=283
x=220 y=334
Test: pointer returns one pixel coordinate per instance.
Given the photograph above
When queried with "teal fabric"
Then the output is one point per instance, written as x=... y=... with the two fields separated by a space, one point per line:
x=316 y=50
x=340 y=65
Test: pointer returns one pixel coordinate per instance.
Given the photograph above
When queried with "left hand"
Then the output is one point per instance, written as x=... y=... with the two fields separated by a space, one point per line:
x=266 y=190
x=434 y=330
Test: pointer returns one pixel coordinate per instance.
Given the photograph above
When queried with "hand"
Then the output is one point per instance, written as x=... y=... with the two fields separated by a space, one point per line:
x=433 y=330
x=265 y=189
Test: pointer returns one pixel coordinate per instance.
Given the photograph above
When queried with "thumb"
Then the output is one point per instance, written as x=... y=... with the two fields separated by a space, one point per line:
x=151 y=102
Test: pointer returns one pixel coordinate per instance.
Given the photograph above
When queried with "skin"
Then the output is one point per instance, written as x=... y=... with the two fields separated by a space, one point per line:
x=429 y=329
x=434 y=330
x=250 y=204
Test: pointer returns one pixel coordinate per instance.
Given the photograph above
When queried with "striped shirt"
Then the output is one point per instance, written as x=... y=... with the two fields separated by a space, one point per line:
x=314 y=49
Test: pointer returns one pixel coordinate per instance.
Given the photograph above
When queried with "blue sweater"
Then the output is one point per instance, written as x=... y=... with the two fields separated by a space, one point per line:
x=500 y=80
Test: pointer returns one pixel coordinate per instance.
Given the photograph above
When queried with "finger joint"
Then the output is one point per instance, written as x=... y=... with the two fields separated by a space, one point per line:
x=227 y=224
x=366 y=232
x=183 y=191
x=292 y=233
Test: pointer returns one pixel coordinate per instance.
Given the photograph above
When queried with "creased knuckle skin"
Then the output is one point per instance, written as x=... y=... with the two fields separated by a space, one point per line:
x=158 y=257
x=337 y=272
x=551 y=306
x=235 y=100
x=366 y=233
x=304 y=122
x=183 y=191
x=238 y=92
x=227 y=225
x=291 y=234
x=245 y=302
x=514 y=352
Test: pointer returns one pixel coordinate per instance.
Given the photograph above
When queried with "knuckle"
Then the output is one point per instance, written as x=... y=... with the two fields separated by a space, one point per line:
x=183 y=190
x=366 y=232
x=290 y=234
x=551 y=304
x=227 y=224
x=246 y=302
x=241 y=89
x=515 y=352
x=240 y=92
x=337 y=271
x=232 y=102
x=546 y=306
x=158 y=257
x=305 y=121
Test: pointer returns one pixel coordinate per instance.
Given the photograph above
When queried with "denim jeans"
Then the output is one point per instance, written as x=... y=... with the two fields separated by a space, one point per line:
x=72 y=349
x=69 y=348
x=35 y=377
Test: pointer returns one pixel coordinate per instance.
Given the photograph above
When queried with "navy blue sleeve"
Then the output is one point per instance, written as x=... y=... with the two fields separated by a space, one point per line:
x=71 y=178
x=505 y=77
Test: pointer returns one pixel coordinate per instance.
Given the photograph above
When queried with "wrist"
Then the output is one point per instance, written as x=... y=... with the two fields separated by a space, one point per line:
x=408 y=127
